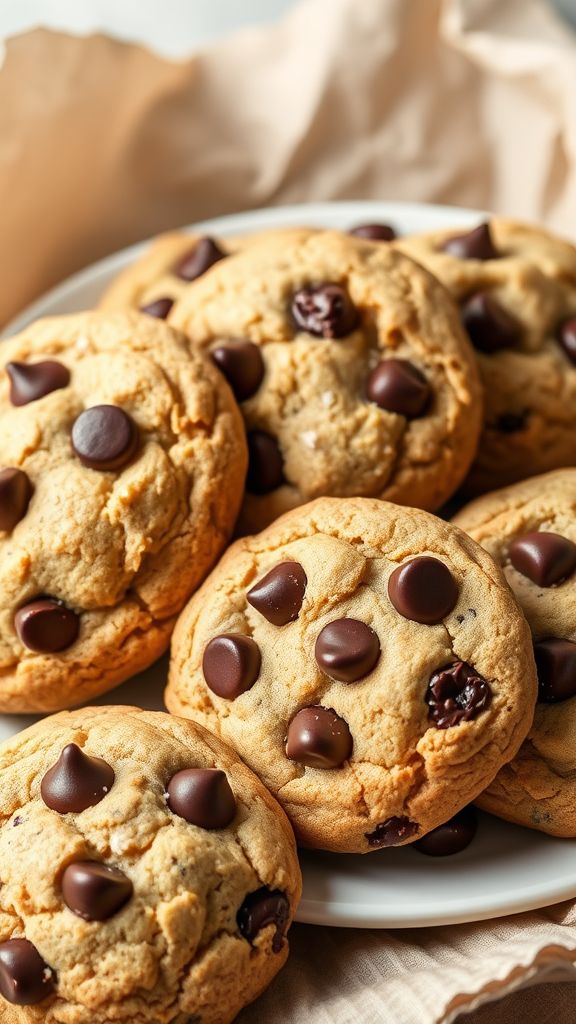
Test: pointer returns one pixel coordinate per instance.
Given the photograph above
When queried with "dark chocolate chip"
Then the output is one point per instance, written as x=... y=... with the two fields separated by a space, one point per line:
x=15 y=494
x=242 y=364
x=159 y=309
x=347 y=650
x=30 y=381
x=260 y=909
x=25 y=978
x=567 y=338
x=556 y=666
x=46 y=626
x=196 y=262
x=76 y=781
x=324 y=310
x=423 y=590
x=396 y=385
x=451 y=837
x=545 y=558
x=456 y=693
x=392 y=832
x=511 y=422
x=319 y=738
x=374 y=232
x=231 y=664
x=490 y=328
x=474 y=245
x=104 y=437
x=95 y=891
x=279 y=594
x=203 y=797
x=265 y=463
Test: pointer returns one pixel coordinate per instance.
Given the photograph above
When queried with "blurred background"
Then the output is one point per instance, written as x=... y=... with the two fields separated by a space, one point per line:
x=123 y=118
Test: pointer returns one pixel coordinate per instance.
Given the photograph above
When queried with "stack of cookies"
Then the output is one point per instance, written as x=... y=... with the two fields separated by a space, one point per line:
x=353 y=671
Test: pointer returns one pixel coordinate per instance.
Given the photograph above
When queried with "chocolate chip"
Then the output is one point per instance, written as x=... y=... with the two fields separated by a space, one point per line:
x=260 y=909
x=46 y=626
x=95 y=891
x=15 y=494
x=556 y=666
x=392 y=832
x=159 y=308
x=451 y=837
x=374 y=232
x=199 y=259
x=231 y=664
x=242 y=364
x=511 y=422
x=319 y=738
x=474 y=245
x=30 y=381
x=347 y=650
x=567 y=338
x=76 y=781
x=423 y=590
x=104 y=437
x=545 y=558
x=25 y=978
x=456 y=693
x=203 y=797
x=490 y=328
x=265 y=463
x=397 y=386
x=279 y=594
x=324 y=310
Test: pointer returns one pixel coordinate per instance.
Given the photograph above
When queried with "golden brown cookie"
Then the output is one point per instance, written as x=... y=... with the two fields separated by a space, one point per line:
x=146 y=874
x=367 y=661
x=122 y=461
x=352 y=370
x=530 y=530
x=516 y=286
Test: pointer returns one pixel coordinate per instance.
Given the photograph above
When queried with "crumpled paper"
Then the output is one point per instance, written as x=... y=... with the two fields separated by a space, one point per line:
x=470 y=102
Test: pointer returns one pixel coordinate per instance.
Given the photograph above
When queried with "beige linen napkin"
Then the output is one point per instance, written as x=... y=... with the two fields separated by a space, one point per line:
x=471 y=102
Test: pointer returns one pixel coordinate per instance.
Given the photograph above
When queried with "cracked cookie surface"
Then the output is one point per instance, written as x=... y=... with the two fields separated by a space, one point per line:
x=133 y=906
x=352 y=370
x=122 y=461
x=516 y=286
x=530 y=530
x=367 y=661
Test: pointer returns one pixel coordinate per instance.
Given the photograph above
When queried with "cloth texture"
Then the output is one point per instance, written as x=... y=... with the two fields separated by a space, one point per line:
x=465 y=102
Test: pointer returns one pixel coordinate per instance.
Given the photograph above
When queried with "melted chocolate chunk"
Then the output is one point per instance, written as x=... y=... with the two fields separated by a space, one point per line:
x=456 y=693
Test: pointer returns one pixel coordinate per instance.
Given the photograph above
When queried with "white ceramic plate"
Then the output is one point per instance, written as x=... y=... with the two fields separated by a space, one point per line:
x=506 y=869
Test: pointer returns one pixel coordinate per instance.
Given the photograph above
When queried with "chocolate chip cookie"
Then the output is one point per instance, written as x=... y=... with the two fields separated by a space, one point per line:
x=367 y=661
x=352 y=370
x=516 y=287
x=146 y=874
x=530 y=530
x=122 y=462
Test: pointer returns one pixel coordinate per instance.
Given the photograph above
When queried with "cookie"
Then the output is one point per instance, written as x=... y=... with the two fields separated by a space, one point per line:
x=146 y=874
x=516 y=287
x=367 y=661
x=352 y=371
x=154 y=282
x=530 y=530
x=122 y=462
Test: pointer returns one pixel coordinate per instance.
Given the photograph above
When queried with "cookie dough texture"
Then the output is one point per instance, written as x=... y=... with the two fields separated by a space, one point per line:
x=312 y=399
x=154 y=275
x=538 y=787
x=174 y=953
x=124 y=549
x=402 y=764
x=530 y=390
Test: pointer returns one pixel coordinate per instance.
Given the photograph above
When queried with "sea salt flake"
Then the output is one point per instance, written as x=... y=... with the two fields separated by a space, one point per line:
x=309 y=438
